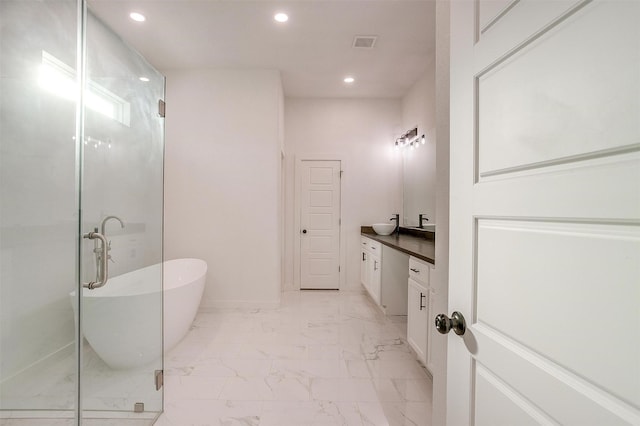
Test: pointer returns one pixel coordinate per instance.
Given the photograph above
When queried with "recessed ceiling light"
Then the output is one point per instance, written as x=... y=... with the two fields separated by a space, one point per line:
x=349 y=79
x=281 y=17
x=138 y=17
x=145 y=79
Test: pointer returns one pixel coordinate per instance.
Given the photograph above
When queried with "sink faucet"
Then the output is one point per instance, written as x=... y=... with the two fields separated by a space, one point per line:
x=396 y=217
x=422 y=218
x=98 y=250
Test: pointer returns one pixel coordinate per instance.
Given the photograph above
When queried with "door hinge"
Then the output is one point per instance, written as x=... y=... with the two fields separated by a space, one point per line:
x=338 y=268
x=159 y=377
x=341 y=172
x=161 y=107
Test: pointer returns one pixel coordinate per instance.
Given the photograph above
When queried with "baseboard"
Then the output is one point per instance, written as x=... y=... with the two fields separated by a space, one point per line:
x=239 y=304
x=59 y=354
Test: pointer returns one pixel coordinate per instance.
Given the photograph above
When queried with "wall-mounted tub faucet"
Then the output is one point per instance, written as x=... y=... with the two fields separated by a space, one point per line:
x=422 y=218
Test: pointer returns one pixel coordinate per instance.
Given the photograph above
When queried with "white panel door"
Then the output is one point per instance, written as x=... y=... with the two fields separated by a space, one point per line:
x=545 y=213
x=320 y=225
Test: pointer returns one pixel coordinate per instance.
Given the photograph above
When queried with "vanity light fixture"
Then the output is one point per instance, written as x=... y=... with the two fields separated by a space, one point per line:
x=410 y=139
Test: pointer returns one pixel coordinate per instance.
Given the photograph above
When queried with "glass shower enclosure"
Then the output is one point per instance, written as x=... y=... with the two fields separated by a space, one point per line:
x=81 y=202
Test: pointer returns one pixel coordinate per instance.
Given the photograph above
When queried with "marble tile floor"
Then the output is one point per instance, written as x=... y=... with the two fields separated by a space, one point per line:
x=323 y=358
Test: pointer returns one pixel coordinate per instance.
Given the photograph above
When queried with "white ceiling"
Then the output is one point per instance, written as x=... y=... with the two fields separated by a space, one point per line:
x=312 y=50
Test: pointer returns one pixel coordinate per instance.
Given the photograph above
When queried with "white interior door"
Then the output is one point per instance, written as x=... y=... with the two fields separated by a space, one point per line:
x=320 y=225
x=545 y=213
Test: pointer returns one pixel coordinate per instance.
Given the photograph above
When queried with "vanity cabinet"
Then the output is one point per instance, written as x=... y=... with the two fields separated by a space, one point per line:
x=419 y=302
x=383 y=272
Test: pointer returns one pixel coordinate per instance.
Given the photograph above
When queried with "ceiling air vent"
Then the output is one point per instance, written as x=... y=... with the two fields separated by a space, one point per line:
x=364 y=42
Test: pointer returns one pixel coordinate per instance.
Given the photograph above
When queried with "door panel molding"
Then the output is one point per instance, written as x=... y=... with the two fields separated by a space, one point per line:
x=545 y=214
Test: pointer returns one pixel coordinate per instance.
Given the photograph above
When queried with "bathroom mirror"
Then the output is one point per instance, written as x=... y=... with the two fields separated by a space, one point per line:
x=418 y=183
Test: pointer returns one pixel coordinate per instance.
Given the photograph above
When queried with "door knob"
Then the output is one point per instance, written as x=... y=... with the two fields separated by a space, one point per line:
x=304 y=231
x=444 y=324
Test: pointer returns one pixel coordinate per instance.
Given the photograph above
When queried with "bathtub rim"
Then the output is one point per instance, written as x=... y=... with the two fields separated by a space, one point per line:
x=117 y=281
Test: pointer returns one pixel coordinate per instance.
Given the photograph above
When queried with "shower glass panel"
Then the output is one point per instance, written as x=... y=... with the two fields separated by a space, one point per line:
x=121 y=197
x=38 y=212
x=73 y=167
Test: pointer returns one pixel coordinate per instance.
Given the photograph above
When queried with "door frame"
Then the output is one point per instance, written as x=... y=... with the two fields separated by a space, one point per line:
x=297 y=246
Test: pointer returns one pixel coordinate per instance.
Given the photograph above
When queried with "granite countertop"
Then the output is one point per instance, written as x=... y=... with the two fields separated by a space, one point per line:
x=420 y=244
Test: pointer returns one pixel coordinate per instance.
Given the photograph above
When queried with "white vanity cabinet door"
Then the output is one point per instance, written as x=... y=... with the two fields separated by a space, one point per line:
x=371 y=267
x=375 y=277
x=364 y=262
x=417 y=318
x=364 y=268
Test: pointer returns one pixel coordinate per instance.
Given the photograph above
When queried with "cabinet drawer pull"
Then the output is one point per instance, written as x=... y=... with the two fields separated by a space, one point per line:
x=417 y=271
x=375 y=265
x=422 y=296
x=364 y=257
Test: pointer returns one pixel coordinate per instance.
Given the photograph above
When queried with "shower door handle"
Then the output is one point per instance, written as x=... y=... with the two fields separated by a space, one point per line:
x=104 y=259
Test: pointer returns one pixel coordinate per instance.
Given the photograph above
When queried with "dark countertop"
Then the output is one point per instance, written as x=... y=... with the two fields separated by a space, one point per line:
x=420 y=244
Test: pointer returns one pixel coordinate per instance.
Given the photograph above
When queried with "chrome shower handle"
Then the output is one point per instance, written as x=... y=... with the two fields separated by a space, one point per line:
x=101 y=280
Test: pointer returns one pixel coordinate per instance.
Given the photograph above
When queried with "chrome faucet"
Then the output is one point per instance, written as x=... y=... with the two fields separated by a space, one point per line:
x=99 y=251
x=396 y=217
x=422 y=218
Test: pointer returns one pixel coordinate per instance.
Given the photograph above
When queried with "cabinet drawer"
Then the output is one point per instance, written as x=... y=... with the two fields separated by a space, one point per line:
x=419 y=270
x=364 y=243
x=375 y=247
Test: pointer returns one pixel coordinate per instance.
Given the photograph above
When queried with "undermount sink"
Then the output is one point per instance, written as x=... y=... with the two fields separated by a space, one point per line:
x=384 y=228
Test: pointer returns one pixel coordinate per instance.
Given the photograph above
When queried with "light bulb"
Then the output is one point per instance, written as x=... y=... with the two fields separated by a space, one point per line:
x=423 y=140
x=281 y=17
x=138 y=17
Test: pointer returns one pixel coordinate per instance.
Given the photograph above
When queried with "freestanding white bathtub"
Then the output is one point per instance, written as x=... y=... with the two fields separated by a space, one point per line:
x=121 y=321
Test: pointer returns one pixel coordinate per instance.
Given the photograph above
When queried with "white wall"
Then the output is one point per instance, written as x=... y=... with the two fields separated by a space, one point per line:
x=221 y=181
x=419 y=171
x=360 y=132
